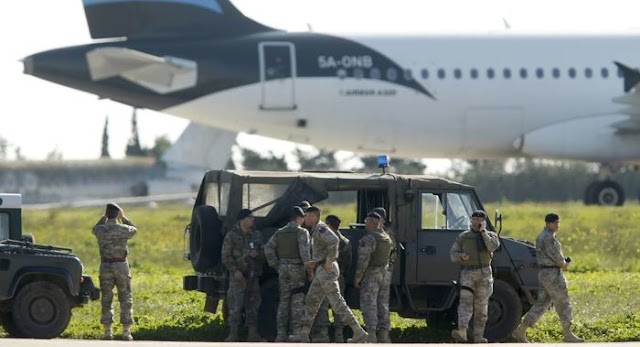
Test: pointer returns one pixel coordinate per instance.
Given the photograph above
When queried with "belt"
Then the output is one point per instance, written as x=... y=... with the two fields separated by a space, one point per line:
x=291 y=260
x=114 y=260
x=474 y=267
x=549 y=266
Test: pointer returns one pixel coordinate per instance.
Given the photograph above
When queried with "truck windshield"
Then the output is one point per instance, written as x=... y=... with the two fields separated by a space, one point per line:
x=260 y=198
x=447 y=210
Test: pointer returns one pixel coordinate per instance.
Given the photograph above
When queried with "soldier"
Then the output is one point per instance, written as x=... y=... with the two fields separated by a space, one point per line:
x=288 y=251
x=242 y=255
x=325 y=282
x=373 y=278
x=553 y=285
x=344 y=263
x=114 y=268
x=473 y=249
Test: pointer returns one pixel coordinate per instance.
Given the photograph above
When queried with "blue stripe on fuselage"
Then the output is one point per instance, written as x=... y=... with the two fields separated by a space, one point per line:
x=207 y=4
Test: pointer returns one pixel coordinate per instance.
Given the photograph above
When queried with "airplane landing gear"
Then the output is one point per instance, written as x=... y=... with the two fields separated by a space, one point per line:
x=606 y=193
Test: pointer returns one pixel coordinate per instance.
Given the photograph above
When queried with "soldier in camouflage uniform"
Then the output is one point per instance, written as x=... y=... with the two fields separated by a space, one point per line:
x=243 y=257
x=372 y=277
x=553 y=285
x=288 y=251
x=325 y=282
x=473 y=250
x=344 y=263
x=114 y=268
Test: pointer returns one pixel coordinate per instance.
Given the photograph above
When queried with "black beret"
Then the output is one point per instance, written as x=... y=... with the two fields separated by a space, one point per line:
x=332 y=219
x=112 y=206
x=296 y=211
x=479 y=214
x=313 y=209
x=373 y=215
x=551 y=217
x=244 y=213
x=381 y=211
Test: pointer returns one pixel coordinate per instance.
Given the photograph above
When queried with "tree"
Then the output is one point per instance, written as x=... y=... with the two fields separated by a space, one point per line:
x=55 y=154
x=105 y=139
x=133 y=147
x=324 y=160
x=161 y=145
x=253 y=161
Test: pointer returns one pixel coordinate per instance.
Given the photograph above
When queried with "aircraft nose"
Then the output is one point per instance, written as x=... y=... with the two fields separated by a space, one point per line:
x=28 y=65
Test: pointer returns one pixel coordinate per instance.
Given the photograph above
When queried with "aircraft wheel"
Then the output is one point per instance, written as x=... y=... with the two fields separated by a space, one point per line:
x=609 y=193
x=590 y=194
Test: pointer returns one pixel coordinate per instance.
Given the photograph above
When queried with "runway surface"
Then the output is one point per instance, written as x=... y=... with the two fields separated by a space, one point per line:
x=99 y=343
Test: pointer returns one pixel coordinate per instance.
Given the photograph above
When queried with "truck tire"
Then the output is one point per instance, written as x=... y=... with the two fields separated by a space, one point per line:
x=9 y=326
x=41 y=310
x=268 y=312
x=205 y=238
x=505 y=310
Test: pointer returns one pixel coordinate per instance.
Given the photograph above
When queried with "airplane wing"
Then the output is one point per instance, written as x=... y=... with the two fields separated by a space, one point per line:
x=163 y=75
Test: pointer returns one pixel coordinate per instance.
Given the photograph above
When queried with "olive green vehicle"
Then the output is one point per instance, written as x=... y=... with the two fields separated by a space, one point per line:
x=39 y=284
x=427 y=213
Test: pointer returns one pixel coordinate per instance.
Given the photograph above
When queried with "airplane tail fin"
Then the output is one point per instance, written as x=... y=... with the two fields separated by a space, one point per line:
x=167 y=18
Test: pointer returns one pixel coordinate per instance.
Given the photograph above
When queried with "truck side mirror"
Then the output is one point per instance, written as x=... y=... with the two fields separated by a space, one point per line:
x=498 y=221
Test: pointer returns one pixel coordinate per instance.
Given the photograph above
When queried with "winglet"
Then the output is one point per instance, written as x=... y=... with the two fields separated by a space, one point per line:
x=631 y=76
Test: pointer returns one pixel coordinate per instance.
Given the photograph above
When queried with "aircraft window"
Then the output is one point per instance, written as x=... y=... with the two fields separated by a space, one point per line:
x=457 y=73
x=392 y=74
x=555 y=72
x=506 y=73
x=572 y=72
x=474 y=73
x=490 y=73
x=604 y=72
x=375 y=73
x=408 y=75
x=523 y=73
x=441 y=74
x=358 y=73
x=588 y=72
x=540 y=72
x=425 y=73
x=342 y=73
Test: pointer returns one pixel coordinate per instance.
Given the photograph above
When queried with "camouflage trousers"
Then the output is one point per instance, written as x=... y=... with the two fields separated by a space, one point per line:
x=553 y=289
x=116 y=275
x=475 y=302
x=291 y=306
x=321 y=323
x=243 y=295
x=374 y=298
x=325 y=285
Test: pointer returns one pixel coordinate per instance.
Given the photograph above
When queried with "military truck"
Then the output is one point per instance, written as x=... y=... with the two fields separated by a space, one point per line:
x=39 y=284
x=427 y=213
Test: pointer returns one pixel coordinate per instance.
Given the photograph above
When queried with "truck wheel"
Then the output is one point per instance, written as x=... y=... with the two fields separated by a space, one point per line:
x=205 y=238
x=505 y=310
x=9 y=326
x=269 y=309
x=41 y=310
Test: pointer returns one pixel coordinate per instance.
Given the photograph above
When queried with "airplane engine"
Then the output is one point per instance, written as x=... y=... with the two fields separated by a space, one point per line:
x=604 y=139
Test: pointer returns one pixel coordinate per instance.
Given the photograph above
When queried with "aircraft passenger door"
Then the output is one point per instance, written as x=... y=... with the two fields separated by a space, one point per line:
x=277 y=75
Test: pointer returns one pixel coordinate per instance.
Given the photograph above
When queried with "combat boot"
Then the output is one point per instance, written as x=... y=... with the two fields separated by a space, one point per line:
x=373 y=338
x=320 y=335
x=520 y=334
x=338 y=336
x=383 y=336
x=479 y=339
x=459 y=335
x=108 y=332
x=253 y=335
x=233 y=334
x=126 y=332
x=301 y=335
x=569 y=336
x=282 y=338
x=359 y=335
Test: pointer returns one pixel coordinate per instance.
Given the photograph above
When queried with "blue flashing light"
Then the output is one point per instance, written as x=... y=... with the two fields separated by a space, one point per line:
x=383 y=161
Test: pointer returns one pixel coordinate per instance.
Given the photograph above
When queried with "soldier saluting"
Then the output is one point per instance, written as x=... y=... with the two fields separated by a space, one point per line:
x=114 y=268
x=473 y=250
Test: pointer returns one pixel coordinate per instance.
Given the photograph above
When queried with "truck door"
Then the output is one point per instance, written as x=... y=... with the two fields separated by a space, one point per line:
x=443 y=215
x=277 y=75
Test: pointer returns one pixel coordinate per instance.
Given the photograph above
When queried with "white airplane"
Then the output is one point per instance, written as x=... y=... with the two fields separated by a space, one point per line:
x=498 y=95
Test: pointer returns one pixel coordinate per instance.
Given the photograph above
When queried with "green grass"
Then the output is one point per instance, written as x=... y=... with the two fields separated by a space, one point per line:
x=603 y=243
